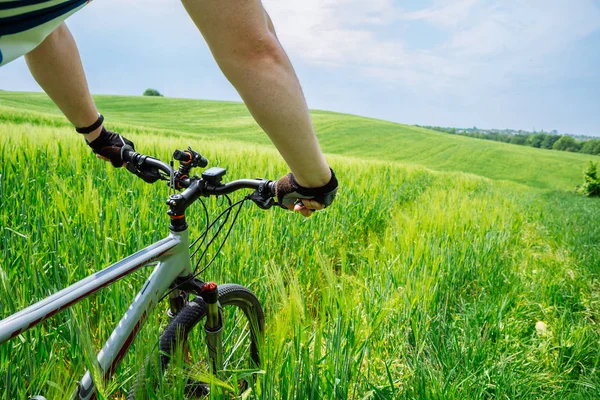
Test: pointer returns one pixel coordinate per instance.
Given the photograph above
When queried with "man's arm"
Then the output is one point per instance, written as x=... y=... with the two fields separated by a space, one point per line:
x=242 y=39
x=56 y=66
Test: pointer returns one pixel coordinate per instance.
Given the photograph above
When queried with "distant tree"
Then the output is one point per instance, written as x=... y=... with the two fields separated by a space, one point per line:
x=536 y=140
x=518 y=139
x=504 y=137
x=498 y=137
x=152 y=92
x=591 y=181
x=566 y=143
x=591 y=146
x=549 y=140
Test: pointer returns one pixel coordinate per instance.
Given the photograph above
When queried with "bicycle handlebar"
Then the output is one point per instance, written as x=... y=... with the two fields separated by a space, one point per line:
x=209 y=185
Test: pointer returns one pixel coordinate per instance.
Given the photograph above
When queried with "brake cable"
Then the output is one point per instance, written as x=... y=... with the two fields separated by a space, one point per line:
x=235 y=217
x=205 y=233
x=196 y=274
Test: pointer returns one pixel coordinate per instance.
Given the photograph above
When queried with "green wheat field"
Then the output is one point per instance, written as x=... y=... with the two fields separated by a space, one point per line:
x=448 y=268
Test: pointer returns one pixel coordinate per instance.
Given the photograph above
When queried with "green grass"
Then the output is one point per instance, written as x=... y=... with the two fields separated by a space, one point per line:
x=416 y=284
x=338 y=133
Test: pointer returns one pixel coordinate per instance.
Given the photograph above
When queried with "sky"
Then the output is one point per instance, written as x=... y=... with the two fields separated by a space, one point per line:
x=516 y=64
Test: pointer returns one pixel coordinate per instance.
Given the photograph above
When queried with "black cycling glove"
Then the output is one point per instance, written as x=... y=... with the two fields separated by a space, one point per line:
x=289 y=192
x=108 y=145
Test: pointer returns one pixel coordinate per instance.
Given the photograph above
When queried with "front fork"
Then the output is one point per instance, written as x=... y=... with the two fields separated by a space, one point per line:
x=213 y=328
x=214 y=322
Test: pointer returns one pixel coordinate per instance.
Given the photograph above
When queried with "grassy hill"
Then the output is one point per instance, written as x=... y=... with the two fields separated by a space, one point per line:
x=416 y=284
x=338 y=134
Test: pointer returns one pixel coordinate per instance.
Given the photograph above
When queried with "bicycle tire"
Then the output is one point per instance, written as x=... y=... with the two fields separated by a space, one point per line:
x=233 y=299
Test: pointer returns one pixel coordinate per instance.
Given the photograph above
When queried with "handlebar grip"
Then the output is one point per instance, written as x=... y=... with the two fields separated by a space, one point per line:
x=127 y=153
x=271 y=189
x=144 y=166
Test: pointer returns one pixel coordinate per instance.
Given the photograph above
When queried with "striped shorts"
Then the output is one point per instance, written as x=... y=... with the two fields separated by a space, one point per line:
x=24 y=24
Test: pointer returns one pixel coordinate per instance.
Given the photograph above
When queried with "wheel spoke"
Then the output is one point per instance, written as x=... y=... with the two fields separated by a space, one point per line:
x=238 y=343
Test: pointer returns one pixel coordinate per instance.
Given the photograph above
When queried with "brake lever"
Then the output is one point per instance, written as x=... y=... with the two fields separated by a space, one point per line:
x=149 y=176
x=261 y=196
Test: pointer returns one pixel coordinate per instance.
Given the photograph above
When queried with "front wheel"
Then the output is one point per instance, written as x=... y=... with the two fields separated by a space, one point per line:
x=183 y=344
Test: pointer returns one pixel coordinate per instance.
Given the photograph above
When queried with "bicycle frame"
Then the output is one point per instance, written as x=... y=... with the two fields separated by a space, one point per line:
x=172 y=255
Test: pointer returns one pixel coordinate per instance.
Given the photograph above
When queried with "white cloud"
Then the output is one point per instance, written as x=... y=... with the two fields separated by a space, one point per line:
x=444 y=13
x=536 y=27
x=487 y=42
x=333 y=32
x=341 y=33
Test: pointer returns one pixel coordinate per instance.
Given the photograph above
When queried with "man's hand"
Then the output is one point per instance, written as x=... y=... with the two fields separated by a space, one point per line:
x=107 y=146
x=293 y=197
x=306 y=207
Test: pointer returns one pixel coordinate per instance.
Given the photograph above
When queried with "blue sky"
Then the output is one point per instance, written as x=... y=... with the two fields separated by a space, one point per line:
x=493 y=64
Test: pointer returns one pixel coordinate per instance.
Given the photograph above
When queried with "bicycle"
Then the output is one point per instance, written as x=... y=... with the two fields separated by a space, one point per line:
x=220 y=306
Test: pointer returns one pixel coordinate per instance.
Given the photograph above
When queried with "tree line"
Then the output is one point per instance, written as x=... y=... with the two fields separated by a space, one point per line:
x=540 y=140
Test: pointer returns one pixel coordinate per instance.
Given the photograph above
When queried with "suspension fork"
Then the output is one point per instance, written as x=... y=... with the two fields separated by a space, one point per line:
x=213 y=328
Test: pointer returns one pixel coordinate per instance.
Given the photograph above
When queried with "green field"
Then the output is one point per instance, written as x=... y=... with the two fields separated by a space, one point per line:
x=425 y=280
x=340 y=134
